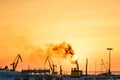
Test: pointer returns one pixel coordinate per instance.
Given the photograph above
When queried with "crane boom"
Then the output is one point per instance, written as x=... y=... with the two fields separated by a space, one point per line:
x=47 y=59
x=15 y=63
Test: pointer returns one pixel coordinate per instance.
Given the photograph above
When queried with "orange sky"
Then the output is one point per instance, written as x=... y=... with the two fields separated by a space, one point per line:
x=90 y=26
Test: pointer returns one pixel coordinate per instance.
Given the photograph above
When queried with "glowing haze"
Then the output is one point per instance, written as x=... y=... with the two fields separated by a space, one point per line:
x=28 y=27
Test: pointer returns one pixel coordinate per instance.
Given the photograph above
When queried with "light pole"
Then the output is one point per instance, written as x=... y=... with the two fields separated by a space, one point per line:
x=109 y=70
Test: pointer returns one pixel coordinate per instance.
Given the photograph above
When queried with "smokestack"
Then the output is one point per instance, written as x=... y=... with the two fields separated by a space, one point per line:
x=86 y=67
x=77 y=65
x=61 y=70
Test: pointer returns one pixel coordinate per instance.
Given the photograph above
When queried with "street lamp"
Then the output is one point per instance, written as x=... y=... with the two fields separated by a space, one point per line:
x=109 y=70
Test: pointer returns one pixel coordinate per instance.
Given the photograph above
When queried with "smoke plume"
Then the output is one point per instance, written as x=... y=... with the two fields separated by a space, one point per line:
x=60 y=50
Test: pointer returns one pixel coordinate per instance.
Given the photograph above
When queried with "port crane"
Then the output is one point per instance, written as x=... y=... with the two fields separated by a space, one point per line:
x=15 y=63
x=104 y=67
x=51 y=64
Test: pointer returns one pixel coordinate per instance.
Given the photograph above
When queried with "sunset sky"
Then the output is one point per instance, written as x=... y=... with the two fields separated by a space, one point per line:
x=89 y=26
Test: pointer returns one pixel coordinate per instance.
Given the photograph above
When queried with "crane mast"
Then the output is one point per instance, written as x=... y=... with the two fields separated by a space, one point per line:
x=15 y=63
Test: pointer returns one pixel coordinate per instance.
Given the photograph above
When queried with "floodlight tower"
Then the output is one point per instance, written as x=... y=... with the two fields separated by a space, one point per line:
x=109 y=70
